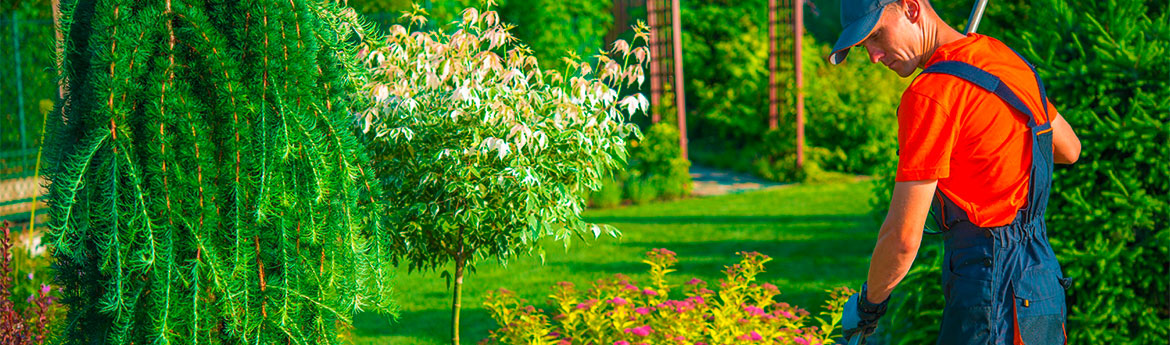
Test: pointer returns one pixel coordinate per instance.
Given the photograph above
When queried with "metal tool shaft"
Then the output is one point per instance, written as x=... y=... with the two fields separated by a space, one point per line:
x=976 y=16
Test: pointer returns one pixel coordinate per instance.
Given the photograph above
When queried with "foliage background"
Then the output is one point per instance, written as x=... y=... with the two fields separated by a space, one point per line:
x=849 y=108
x=34 y=30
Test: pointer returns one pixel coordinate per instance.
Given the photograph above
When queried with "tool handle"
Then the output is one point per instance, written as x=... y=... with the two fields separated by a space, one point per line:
x=976 y=16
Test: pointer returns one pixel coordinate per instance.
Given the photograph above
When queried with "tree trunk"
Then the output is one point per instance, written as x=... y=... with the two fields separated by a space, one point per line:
x=457 y=299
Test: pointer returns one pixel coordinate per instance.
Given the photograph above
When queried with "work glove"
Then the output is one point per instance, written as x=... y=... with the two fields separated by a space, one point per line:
x=859 y=317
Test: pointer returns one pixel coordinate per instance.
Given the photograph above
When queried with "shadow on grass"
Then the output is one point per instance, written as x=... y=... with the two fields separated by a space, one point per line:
x=433 y=325
x=719 y=219
x=708 y=258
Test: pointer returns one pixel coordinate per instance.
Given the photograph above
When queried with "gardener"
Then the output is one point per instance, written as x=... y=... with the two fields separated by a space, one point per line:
x=977 y=138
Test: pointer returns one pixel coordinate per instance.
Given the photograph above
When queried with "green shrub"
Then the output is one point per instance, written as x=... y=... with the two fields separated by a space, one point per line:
x=609 y=195
x=775 y=159
x=641 y=191
x=31 y=320
x=657 y=161
x=850 y=110
x=725 y=59
x=1105 y=65
x=617 y=311
x=678 y=184
x=656 y=171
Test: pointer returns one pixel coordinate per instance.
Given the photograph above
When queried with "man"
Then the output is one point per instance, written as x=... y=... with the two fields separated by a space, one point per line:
x=977 y=138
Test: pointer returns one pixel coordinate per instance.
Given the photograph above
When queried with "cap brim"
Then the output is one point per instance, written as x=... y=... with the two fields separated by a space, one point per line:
x=854 y=34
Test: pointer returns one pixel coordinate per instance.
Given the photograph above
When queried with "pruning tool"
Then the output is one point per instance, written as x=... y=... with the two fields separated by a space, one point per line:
x=976 y=15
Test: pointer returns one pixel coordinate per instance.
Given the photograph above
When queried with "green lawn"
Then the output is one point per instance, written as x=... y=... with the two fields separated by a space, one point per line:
x=820 y=236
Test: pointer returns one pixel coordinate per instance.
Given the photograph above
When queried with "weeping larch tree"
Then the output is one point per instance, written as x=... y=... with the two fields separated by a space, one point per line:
x=204 y=183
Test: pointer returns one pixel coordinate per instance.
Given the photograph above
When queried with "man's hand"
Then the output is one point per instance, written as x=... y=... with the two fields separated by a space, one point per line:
x=860 y=317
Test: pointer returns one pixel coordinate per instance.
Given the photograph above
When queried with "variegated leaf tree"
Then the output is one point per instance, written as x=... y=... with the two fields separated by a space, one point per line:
x=481 y=151
x=206 y=185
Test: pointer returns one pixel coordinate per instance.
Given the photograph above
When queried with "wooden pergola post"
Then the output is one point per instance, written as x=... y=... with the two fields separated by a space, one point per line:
x=773 y=112
x=656 y=55
x=798 y=32
x=680 y=102
x=662 y=50
x=59 y=45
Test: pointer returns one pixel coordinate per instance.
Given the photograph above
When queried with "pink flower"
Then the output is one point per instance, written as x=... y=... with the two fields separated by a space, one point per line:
x=786 y=314
x=642 y=310
x=640 y=331
x=631 y=287
x=30 y=275
x=680 y=338
x=563 y=342
x=665 y=251
x=695 y=281
x=618 y=301
x=623 y=342
x=801 y=341
x=587 y=304
x=753 y=310
x=45 y=289
x=650 y=292
x=756 y=336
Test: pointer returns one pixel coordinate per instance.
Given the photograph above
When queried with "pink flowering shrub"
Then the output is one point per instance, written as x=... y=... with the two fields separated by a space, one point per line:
x=27 y=323
x=618 y=311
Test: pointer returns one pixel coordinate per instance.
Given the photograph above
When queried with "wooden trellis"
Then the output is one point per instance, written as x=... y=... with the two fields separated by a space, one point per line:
x=663 y=18
x=790 y=14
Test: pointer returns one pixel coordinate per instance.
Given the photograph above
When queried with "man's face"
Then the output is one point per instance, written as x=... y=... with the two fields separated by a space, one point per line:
x=896 y=39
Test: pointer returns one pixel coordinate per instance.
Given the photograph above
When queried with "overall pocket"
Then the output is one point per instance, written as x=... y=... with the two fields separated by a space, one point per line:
x=967 y=288
x=1040 y=307
x=967 y=315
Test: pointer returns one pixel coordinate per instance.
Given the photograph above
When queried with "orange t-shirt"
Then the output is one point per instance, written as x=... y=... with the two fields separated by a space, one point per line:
x=977 y=146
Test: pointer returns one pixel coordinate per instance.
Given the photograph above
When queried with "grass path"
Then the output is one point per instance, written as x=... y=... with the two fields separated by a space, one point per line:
x=819 y=236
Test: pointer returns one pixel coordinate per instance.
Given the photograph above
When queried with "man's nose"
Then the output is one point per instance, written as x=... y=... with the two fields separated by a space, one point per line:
x=875 y=55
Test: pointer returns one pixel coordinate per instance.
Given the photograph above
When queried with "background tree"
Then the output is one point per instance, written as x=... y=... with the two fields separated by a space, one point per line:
x=205 y=186
x=481 y=151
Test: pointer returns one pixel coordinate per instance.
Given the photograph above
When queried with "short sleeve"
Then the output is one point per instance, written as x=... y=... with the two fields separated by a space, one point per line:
x=926 y=136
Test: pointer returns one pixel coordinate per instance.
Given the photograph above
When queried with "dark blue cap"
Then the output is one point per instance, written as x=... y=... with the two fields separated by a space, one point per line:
x=858 y=17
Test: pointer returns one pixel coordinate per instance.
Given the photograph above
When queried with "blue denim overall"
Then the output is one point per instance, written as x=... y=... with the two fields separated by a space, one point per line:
x=1002 y=284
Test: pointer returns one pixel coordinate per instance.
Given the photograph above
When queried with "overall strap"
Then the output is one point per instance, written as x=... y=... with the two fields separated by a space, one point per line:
x=1039 y=85
x=986 y=81
x=1041 y=137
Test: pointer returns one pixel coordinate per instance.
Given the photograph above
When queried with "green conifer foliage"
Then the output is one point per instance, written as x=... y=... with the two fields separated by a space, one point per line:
x=204 y=183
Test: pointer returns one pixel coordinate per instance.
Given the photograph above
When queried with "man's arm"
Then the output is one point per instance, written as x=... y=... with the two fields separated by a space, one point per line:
x=1065 y=145
x=899 y=237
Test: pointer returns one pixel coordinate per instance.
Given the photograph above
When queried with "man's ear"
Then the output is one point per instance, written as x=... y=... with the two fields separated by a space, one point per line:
x=912 y=9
